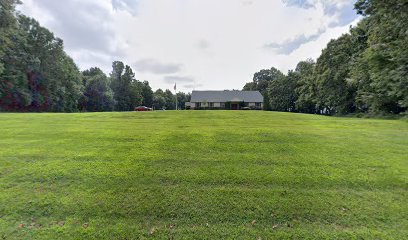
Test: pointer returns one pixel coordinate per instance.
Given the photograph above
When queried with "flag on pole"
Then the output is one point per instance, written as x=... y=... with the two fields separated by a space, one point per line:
x=175 y=89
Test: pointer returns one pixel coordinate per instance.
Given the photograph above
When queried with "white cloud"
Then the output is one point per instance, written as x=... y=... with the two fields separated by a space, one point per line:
x=156 y=67
x=219 y=44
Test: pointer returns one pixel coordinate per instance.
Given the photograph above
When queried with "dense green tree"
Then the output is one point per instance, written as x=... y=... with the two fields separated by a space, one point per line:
x=306 y=87
x=167 y=100
x=359 y=76
x=7 y=25
x=14 y=92
x=250 y=86
x=159 y=99
x=334 y=95
x=7 y=10
x=119 y=87
x=261 y=81
x=363 y=71
x=382 y=69
x=170 y=100
x=182 y=98
x=59 y=74
x=127 y=90
x=36 y=74
x=147 y=94
x=136 y=91
x=282 y=92
x=98 y=96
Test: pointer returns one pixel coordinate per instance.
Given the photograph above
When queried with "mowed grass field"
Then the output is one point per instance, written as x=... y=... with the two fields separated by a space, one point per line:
x=202 y=175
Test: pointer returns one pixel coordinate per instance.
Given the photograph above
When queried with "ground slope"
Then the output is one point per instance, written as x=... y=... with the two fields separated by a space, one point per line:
x=202 y=175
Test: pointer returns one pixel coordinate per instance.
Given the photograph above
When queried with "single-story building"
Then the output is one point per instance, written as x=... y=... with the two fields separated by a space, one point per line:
x=233 y=100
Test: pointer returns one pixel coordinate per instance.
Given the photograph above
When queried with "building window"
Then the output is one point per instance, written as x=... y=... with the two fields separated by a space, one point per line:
x=222 y=105
x=198 y=105
x=211 y=104
x=258 y=105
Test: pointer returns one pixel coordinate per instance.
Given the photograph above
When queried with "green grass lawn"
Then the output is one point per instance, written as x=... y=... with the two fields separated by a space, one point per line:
x=202 y=175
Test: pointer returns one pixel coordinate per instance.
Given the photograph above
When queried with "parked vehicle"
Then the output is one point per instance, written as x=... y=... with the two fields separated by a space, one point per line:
x=143 y=109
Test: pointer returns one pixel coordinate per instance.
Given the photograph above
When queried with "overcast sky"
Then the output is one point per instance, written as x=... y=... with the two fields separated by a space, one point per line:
x=200 y=44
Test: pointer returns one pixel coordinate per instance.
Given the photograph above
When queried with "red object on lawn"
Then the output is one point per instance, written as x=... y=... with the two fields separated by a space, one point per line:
x=142 y=109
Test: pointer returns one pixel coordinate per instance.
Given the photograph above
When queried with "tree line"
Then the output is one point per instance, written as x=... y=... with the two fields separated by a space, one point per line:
x=363 y=71
x=36 y=74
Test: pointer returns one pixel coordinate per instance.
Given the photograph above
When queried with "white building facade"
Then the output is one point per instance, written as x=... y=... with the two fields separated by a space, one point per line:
x=228 y=100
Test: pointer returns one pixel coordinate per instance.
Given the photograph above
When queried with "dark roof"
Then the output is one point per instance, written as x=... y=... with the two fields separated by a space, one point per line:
x=226 y=96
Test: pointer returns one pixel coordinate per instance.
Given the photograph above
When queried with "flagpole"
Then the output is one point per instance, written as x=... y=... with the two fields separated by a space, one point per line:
x=175 y=89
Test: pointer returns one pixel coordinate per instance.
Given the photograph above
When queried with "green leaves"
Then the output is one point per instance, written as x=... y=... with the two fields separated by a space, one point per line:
x=261 y=82
x=381 y=69
x=331 y=72
x=282 y=94
x=365 y=70
x=37 y=74
x=127 y=90
x=98 y=95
